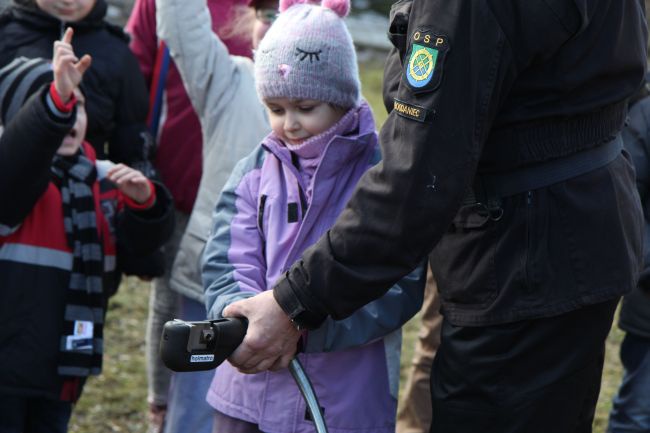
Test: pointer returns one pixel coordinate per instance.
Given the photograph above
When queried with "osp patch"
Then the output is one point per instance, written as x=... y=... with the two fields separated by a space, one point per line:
x=427 y=54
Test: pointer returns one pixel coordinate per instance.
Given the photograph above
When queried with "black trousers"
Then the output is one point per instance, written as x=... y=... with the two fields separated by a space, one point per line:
x=533 y=376
x=33 y=415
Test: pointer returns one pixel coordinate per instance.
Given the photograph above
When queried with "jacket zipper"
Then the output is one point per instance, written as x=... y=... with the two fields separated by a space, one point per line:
x=301 y=192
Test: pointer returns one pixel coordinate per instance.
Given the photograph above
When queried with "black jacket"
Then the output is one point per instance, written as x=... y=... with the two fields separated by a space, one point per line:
x=486 y=86
x=116 y=100
x=635 y=311
x=34 y=274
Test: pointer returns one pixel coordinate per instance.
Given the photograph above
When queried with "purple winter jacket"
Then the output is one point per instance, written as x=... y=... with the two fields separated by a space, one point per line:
x=268 y=213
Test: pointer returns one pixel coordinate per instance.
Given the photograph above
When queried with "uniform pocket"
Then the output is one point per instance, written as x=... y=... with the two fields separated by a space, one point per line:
x=603 y=238
x=463 y=263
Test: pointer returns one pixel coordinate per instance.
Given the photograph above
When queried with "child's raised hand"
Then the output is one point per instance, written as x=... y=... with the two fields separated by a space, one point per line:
x=68 y=69
x=131 y=182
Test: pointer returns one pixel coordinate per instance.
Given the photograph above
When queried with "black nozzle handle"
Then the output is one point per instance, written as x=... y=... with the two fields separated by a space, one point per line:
x=202 y=345
x=230 y=331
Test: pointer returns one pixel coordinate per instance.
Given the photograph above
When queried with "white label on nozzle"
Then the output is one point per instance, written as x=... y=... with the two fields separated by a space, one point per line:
x=201 y=358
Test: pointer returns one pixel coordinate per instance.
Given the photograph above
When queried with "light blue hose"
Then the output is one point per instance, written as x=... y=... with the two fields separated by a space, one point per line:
x=307 y=391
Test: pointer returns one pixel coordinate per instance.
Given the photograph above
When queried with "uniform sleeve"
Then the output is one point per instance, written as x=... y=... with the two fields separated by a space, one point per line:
x=142 y=28
x=374 y=320
x=206 y=68
x=399 y=17
x=458 y=66
x=27 y=146
x=233 y=261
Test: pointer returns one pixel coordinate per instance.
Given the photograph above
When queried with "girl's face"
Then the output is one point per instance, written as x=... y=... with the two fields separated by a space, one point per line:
x=296 y=120
x=72 y=141
x=67 y=10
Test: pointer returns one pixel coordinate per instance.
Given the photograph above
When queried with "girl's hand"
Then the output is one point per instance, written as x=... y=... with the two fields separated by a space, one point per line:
x=131 y=182
x=68 y=69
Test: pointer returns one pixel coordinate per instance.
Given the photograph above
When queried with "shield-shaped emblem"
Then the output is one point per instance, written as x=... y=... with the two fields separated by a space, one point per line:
x=421 y=65
x=424 y=67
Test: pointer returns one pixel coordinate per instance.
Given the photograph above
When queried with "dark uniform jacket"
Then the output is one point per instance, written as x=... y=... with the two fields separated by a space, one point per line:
x=36 y=259
x=635 y=311
x=491 y=87
x=117 y=100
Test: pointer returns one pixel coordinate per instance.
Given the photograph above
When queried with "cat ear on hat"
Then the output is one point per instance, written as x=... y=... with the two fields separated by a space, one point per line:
x=286 y=4
x=340 y=7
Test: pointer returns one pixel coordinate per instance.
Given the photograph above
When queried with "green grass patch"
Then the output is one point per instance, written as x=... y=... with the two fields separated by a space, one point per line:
x=116 y=401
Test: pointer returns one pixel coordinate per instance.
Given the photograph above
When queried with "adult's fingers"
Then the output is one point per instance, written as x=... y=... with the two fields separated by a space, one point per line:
x=263 y=365
x=236 y=309
x=270 y=334
x=281 y=362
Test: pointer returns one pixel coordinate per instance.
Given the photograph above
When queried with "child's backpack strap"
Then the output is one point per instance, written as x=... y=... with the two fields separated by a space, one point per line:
x=157 y=90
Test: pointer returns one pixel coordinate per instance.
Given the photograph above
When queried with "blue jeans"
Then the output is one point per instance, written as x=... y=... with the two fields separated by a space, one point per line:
x=33 y=415
x=631 y=407
x=187 y=410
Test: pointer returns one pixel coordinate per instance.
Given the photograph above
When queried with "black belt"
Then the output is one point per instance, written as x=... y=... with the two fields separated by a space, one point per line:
x=490 y=188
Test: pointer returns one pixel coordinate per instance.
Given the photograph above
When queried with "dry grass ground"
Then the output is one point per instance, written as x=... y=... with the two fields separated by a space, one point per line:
x=116 y=400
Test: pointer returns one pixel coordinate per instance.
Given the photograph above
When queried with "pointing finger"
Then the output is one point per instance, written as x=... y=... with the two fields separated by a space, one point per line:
x=67 y=36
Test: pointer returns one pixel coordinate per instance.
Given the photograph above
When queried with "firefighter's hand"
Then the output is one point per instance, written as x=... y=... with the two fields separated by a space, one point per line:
x=271 y=339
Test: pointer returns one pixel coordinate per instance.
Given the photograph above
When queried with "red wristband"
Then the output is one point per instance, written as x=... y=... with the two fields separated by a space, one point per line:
x=142 y=206
x=59 y=104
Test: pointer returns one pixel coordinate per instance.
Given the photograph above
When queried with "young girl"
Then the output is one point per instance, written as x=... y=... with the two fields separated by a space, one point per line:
x=221 y=88
x=280 y=200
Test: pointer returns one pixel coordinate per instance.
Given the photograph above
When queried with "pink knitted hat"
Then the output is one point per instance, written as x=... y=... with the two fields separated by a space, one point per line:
x=308 y=54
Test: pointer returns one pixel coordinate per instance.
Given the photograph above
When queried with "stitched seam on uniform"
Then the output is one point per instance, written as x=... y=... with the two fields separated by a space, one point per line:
x=484 y=105
x=505 y=36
